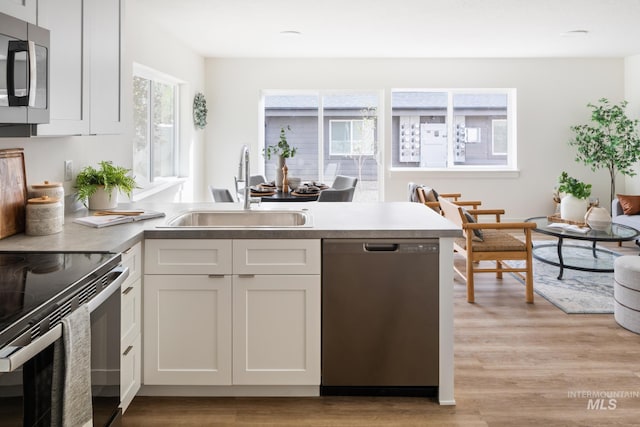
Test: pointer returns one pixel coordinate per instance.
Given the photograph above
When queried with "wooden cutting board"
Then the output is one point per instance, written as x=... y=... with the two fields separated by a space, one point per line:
x=13 y=192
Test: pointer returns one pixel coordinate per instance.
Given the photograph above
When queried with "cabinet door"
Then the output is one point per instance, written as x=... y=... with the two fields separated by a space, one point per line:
x=276 y=330
x=103 y=18
x=187 y=330
x=68 y=67
x=21 y=9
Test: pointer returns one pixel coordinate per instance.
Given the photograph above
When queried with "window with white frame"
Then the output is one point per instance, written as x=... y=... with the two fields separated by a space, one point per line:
x=155 y=118
x=453 y=129
x=334 y=133
x=351 y=137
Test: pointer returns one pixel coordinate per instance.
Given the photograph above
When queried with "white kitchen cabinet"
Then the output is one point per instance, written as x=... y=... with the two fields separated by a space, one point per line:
x=68 y=67
x=276 y=312
x=250 y=308
x=104 y=22
x=21 y=9
x=187 y=312
x=85 y=66
x=276 y=329
x=187 y=330
x=130 y=326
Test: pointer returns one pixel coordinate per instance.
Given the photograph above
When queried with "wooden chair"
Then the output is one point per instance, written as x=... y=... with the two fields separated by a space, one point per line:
x=498 y=244
x=429 y=201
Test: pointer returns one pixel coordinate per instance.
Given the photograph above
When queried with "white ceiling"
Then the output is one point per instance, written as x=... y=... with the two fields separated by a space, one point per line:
x=401 y=28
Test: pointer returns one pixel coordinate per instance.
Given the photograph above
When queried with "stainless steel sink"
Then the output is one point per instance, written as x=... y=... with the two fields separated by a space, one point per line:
x=241 y=219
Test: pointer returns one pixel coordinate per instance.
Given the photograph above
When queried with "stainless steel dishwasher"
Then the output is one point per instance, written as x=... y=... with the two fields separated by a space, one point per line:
x=380 y=316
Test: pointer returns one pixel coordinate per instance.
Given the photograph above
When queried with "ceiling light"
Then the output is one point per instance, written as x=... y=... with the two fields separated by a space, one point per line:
x=575 y=33
x=292 y=33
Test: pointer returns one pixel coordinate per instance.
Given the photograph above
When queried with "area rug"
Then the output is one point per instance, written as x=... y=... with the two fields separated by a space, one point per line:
x=579 y=292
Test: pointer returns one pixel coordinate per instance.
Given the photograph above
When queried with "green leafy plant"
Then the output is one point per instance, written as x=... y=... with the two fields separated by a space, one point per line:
x=610 y=142
x=282 y=148
x=108 y=176
x=576 y=188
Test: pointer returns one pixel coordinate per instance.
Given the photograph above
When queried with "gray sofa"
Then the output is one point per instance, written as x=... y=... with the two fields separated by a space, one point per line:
x=618 y=217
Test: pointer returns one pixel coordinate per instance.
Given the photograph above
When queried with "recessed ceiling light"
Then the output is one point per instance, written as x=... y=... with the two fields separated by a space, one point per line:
x=293 y=33
x=575 y=33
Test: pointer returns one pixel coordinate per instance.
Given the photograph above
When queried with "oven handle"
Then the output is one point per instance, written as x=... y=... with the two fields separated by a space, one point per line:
x=114 y=286
x=21 y=354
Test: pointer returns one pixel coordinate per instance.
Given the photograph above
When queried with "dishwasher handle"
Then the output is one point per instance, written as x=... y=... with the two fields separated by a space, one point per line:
x=380 y=247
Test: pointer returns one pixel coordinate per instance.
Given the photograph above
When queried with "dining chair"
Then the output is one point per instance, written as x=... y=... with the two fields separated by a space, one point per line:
x=334 y=195
x=221 y=194
x=341 y=182
x=257 y=180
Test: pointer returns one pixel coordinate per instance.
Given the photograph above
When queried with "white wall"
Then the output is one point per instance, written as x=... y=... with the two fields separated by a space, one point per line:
x=632 y=94
x=552 y=95
x=44 y=157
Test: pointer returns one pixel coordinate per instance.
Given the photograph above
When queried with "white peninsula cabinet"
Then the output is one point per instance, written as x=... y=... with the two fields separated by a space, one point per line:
x=232 y=312
x=131 y=326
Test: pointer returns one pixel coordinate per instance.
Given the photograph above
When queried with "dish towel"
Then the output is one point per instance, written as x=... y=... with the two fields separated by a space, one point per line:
x=71 y=389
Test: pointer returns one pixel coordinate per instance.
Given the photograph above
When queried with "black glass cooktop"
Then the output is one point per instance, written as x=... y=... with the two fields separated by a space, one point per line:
x=30 y=281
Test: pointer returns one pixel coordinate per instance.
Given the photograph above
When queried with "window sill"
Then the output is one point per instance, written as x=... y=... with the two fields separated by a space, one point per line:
x=156 y=187
x=460 y=173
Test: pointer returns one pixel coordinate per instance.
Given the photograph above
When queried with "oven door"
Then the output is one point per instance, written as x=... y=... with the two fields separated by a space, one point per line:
x=26 y=374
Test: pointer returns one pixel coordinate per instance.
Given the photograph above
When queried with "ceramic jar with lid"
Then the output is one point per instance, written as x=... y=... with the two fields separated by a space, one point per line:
x=45 y=215
x=47 y=188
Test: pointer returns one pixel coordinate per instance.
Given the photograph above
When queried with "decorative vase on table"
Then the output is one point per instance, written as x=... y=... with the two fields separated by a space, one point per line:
x=279 y=173
x=101 y=200
x=598 y=218
x=573 y=209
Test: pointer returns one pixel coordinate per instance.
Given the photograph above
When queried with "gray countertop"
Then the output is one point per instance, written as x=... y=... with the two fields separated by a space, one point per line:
x=330 y=220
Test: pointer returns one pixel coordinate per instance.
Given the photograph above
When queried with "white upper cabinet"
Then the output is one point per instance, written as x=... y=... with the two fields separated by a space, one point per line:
x=85 y=67
x=21 y=9
x=103 y=20
x=68 y=96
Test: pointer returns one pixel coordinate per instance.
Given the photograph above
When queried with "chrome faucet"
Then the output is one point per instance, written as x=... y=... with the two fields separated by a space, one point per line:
x=244 y=160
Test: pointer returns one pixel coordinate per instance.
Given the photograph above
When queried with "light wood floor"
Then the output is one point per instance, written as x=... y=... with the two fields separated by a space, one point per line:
x=516 y=364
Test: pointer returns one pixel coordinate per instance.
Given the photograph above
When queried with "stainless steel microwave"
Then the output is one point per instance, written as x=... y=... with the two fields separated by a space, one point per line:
x=24 y=76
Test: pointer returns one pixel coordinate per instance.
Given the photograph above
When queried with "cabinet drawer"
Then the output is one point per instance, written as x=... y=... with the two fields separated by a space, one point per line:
x=130 y=307
x=187 y=256
x=264 y=256
x=132 y=258
x=130 y=372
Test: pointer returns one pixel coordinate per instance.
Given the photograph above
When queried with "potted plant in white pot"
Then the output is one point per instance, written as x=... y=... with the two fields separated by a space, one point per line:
x=575 y=202
x=284 y=151
x=95 y=187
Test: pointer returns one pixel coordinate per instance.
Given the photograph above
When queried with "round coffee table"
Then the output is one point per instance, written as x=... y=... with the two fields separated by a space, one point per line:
x=576 y=257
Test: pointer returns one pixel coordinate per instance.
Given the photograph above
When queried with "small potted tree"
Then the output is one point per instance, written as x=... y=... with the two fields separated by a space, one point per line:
x=610 y=142
x=575 y=202
x=284 y=151
x=95 y=187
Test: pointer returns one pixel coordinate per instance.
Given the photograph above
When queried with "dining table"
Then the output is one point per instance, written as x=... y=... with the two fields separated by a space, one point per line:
x=280 y=196
x=267 y=194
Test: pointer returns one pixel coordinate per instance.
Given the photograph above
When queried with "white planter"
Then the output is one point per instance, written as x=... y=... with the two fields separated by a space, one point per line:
x=101 y=200
x=573 y=209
